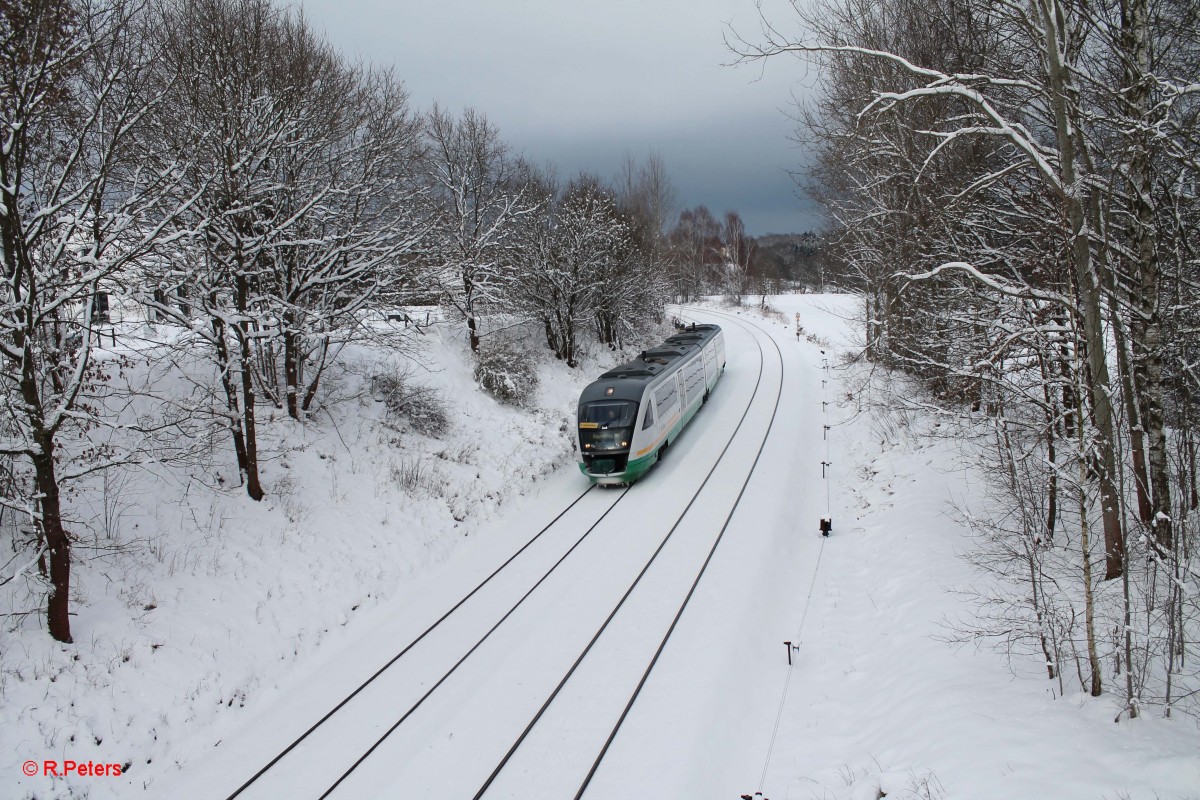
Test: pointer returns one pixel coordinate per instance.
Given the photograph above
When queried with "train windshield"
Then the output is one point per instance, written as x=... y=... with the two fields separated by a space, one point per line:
x=609 y=413
x=606 y=425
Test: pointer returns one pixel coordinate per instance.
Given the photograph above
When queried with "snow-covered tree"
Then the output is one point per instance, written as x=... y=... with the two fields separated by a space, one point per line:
x=307 y=185
x=1001 y=180
x=77 y=205
x=647 y=200
x=476 y=200
x=236 y=110
x=737 y=249
x=579 y=267
x=353 y=196
x=695 y=251
x=563 y=247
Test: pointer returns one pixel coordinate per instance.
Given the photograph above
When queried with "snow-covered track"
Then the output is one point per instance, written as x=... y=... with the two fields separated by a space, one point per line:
x=283 y=754
x=691 y=588
x=446 y=675
x=459 y=681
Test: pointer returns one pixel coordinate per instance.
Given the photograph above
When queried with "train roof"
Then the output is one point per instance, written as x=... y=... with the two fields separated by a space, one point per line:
x=629 y=380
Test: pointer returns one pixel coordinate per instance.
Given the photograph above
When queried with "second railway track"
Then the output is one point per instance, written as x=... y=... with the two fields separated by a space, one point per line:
x=432 y=720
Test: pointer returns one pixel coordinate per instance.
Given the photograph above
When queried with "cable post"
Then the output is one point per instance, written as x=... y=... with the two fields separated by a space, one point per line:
x=793 y=645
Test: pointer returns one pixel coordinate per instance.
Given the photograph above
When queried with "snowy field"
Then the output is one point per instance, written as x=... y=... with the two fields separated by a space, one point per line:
x=219 y=628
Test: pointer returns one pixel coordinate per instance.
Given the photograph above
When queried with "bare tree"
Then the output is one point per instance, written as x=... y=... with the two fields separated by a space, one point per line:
x=1004 y=180
x=695 y=243
x=77 y=206
x=475 y=198
x=355 y=197
x=646 y=198
x=303 y=171
x=737 y=250
x=1061 y=161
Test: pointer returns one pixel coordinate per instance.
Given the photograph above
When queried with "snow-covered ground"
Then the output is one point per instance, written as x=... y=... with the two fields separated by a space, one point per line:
x=224 y=628
x=881 y=701
x=202 y=600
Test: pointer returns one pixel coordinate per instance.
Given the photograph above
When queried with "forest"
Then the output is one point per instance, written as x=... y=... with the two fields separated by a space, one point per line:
x=1013 y=185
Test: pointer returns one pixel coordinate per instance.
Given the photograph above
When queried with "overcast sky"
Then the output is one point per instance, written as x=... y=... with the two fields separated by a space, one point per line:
x=580 y=84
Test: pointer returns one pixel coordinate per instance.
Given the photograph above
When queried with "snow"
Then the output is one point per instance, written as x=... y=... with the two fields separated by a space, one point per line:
x=224 y=628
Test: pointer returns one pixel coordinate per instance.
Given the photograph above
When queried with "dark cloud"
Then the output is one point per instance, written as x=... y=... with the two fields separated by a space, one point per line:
x=582 y=84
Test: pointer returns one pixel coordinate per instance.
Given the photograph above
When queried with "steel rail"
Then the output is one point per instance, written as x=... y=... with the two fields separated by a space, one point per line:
x=595 y=638
x=683 y=606
x=329 y=714
x=470 y=652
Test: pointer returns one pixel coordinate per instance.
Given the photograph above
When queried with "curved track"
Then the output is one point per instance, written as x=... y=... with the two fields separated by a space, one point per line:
x=674 y=620
x=423 y=686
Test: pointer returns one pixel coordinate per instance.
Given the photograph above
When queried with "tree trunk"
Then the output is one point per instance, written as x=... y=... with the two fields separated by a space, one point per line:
x=253 y=485
x=1194 y=493
x=58 y=541
x=1052 y=421
x=185 y=308
x=232 y=404
x=1137 y=442
x=1085 y=546
x=242 y=293
x=291 y=363
x=266 y=366
x=1130 y=698
x=473 y=334
x=311 y=393
x=1031 y=556
x=569 y=341
x=1078 y=198
x=1147 y=330
x=469 y=310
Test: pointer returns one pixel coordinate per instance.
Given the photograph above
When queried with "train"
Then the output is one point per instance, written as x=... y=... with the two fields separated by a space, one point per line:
x=630 y=416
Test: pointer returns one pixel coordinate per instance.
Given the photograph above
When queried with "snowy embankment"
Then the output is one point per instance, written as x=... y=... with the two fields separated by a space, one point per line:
x=191 y=602
x=882 y=703
x=213 y=608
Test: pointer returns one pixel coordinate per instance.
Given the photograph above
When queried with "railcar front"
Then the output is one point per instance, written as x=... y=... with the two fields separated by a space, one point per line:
x=608 y=415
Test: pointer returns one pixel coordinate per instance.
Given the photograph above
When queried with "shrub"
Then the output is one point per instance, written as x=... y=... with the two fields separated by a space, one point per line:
x=506 y=373
x=416 y=477
x=421 y=405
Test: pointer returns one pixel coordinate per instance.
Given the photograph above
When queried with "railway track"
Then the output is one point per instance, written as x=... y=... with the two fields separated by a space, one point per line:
x=628 y=704
x=505 y=594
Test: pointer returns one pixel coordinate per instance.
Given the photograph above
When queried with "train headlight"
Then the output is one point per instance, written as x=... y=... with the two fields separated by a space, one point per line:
x=624 y=444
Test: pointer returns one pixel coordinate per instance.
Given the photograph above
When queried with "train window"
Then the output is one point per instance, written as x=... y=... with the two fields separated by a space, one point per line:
x=608 y=414
x=665 y=397
x=605 y=426
x=649 y=420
